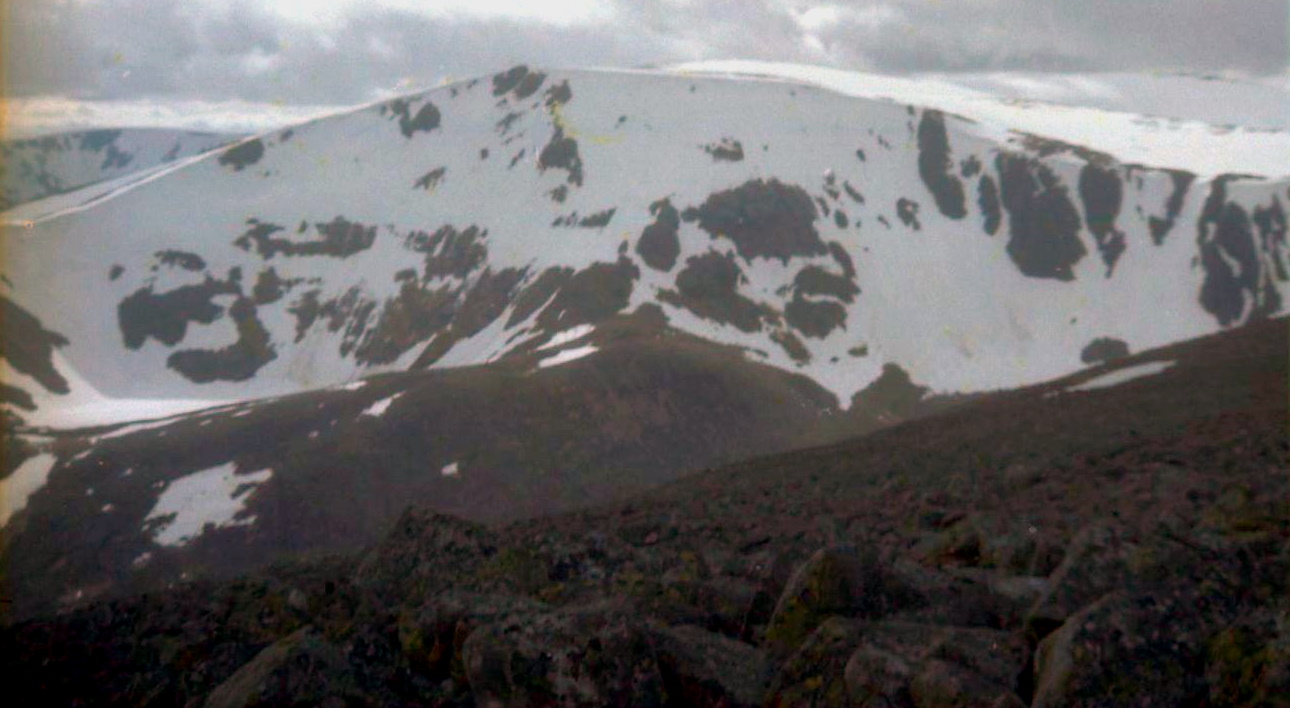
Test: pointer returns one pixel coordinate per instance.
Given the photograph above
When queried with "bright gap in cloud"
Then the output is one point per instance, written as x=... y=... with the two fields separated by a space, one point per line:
x=554 y=12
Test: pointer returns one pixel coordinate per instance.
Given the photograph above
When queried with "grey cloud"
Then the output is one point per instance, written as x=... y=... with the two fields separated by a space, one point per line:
x=168 y=49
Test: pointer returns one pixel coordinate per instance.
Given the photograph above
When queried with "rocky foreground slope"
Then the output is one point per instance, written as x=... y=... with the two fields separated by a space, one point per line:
x=1082 y=543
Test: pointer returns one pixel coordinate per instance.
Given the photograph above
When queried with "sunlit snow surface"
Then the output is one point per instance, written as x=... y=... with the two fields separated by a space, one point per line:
x=212 y=496
x=23 y=482
x=85 y=406
x=568 y=335
x=1194 y=145
x=377 y=409
x=1119 y=376
x=1252 y=102
x=567 y=356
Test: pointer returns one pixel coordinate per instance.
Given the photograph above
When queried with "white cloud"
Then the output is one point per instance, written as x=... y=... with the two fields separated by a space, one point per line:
x=875 y=16
x=820 y=17
x=50 y=114
x=555 y=12
x=825 y=17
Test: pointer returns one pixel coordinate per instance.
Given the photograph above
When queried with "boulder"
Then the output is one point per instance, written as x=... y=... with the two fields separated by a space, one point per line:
x=704 y=669
x=987 y=541
x=301 y=669
x=425 y=553
x=1012 y=596
x=728 y=606
x=814 y=674
x=943 y=684
x=432 y=636
x=1126 y=650
x=834 y=581
x=590 y=657
x=905 y=664
x=1248 y=663
x=875 y=678
x=930 y=596
x=1103 y=557
x=996 y=655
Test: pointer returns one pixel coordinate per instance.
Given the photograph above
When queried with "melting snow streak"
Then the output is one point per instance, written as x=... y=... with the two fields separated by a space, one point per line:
x=568 y=335
x=378 y=408
x=25 y=481
x=1119 y=376
x=567 y=356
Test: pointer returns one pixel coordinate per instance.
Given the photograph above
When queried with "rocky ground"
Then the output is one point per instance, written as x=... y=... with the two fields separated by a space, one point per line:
x=1121 y=546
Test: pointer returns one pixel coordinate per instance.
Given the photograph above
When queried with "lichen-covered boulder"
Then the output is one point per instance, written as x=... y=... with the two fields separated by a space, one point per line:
x=423 y=554
x=701 y=668
x=815 y=673
x=944 y=684
x=301 y=669
x=834 y=581
x=1127 y=650
x=1106 y=556
x=1011 y=596
x=991 y=541
x=1248 y=663
x=931 y=596
x=432 y=636
x=875 y=678
x=988 y=656
x=589 y=657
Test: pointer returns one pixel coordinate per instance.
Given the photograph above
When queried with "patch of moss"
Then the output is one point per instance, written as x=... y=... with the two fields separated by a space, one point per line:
x=165 y=316
x=814 y=319
x=339 y=238
x=238 y=361
x=764 y=219
x=29 y=347
x=242 y=155
x=1247 y=668
x=708 y=286
x=659 y=244
x=791 y=346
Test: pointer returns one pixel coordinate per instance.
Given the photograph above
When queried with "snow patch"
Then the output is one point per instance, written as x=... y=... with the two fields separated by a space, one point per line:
x=568 y=335
x=567 y=356
x=85 y=406
x=452 y=469
x=212 y=496
x=379 y=408
x=25 y=481
x=1119 y=376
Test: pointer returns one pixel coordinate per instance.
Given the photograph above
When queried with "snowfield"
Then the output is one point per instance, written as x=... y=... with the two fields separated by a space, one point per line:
x=212 y=497
x=827 y=223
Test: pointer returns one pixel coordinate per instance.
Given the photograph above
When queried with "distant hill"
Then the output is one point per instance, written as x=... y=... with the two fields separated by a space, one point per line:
x=39 y=167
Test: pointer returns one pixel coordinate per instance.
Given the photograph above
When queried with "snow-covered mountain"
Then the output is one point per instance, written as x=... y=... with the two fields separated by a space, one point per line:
x=1232 y=101
x=542 y=289
x=38 y=167
x=826 y=223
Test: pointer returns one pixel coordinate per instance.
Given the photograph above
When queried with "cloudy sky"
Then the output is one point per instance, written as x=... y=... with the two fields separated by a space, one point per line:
x=297 y=56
